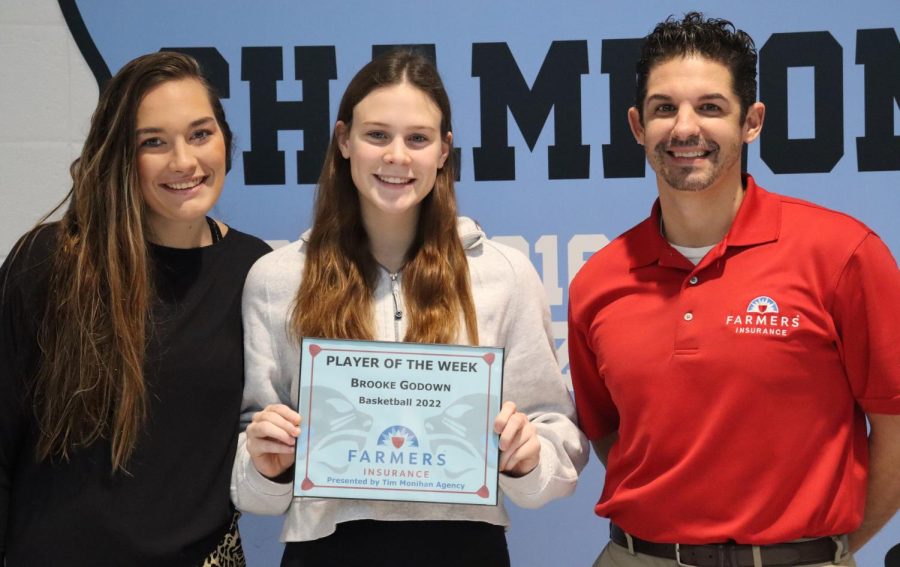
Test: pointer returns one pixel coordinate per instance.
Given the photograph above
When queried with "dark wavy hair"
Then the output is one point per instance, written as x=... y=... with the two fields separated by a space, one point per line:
x=90 y=382
x=712 y=38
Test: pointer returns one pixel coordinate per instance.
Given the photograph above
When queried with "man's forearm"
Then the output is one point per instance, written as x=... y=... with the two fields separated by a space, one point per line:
x=883 y=495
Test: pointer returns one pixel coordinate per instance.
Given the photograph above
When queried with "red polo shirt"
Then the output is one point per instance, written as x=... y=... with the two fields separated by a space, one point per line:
x=739 y=386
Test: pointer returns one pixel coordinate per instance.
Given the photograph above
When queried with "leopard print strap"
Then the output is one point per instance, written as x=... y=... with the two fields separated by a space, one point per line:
x=229 y=552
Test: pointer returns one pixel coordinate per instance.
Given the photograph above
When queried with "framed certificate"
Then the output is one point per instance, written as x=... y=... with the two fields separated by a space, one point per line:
x=398 y=421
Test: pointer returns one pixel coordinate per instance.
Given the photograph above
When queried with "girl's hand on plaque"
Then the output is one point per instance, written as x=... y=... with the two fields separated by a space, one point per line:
x=272 y=438
x=520 y=448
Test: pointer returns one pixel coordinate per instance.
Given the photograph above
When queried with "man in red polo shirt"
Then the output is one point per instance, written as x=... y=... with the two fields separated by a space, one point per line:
x=726 y=352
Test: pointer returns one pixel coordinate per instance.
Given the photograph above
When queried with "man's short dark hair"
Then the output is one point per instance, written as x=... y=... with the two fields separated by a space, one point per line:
x=712 y=38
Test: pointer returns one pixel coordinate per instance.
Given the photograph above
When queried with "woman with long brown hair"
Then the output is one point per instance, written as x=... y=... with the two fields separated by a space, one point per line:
x=121 y=341
x=388 y=259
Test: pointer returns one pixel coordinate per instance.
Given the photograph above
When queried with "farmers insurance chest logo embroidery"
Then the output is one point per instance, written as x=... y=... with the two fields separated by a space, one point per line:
x=762 y=318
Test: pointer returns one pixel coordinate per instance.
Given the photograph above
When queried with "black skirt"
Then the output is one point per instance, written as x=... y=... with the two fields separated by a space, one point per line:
x=373 y=543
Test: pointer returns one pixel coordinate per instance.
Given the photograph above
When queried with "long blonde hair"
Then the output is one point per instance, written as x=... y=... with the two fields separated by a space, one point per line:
x=340 y=275
x=90 y=382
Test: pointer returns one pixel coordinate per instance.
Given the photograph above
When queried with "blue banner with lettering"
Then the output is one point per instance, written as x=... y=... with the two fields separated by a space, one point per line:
x=539 y=93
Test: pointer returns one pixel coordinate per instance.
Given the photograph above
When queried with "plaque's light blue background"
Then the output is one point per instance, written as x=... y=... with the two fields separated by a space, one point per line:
x=549 y=219
x=318 y=378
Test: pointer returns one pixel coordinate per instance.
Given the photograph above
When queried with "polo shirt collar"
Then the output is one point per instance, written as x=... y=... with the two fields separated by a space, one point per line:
x=758 y=221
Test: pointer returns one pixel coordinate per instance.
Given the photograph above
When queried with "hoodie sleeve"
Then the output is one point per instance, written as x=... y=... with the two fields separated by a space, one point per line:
x=533 y=381
x=267 y=378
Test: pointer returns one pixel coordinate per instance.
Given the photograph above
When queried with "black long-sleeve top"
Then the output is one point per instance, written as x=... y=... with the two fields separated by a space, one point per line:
x=173 y=505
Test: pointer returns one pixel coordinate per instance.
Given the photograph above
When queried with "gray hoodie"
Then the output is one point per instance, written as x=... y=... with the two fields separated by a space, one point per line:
x=512 y=313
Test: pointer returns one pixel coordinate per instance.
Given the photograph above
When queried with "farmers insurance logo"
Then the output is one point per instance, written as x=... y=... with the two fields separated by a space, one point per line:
x=398 y=436
x=763 y=317
x=397 y=441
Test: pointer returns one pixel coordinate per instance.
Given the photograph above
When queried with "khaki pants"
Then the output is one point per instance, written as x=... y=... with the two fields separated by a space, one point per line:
x=615 y=555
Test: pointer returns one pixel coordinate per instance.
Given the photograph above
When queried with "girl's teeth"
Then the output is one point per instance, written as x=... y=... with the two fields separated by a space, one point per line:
x=186 y=185
x=394 y=179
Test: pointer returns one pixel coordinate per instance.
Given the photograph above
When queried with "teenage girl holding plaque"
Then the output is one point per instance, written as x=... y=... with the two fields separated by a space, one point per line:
x=121 y=367
x=388 y=259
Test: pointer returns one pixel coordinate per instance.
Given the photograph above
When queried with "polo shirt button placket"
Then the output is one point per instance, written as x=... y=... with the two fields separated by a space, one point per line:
x=687 y=340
